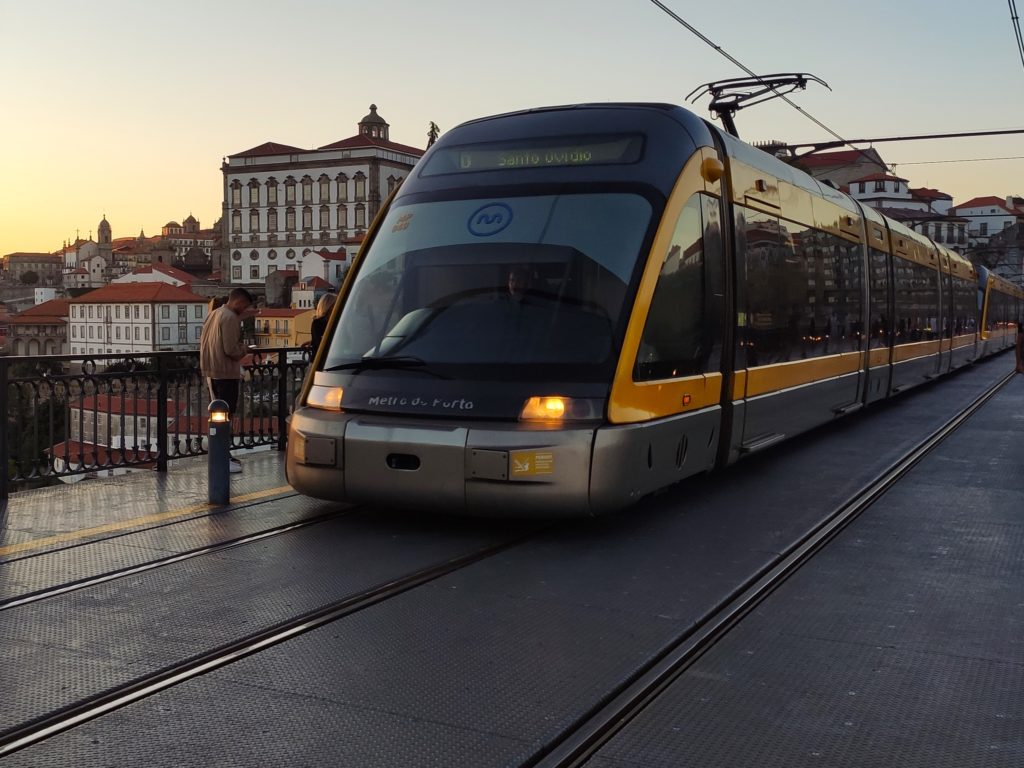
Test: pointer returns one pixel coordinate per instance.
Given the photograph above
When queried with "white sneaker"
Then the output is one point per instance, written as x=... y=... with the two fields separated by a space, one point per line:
x=234 y=466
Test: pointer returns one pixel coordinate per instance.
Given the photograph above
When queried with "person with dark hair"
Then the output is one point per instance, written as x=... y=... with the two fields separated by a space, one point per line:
x=221 y=350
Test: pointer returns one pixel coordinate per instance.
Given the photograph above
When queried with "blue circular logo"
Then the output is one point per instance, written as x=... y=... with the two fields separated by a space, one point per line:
x=489 y=219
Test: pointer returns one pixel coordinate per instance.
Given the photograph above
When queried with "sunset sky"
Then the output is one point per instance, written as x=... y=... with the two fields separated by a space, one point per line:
x=126 y=108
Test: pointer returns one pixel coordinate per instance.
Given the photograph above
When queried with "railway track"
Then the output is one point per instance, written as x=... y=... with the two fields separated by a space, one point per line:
x=574 y=746
x=621 y=707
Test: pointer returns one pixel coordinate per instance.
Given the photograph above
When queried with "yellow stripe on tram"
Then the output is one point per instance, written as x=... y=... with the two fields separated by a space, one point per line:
x=70 y=536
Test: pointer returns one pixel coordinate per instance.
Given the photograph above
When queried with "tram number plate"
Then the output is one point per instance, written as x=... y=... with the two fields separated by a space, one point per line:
x=531 y=463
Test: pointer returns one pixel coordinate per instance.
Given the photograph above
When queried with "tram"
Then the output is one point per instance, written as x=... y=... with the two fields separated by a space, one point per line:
x=563 y=310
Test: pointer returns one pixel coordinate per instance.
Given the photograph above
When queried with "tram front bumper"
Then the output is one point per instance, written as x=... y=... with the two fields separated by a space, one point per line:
x=487 y=470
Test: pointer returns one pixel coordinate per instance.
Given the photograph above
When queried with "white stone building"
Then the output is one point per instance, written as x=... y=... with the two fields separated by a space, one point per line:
x=282 y=203
x=988 y=216
x=135 y=318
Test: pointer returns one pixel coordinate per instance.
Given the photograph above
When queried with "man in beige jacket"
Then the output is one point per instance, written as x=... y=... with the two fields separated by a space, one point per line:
x=221 y=350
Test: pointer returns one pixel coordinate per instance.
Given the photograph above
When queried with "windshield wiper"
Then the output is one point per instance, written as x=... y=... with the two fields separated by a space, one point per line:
x=387 y=362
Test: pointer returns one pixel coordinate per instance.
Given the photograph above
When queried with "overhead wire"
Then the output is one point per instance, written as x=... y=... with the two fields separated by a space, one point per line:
x=965 y=160
x=1015 y=20
x=750 y=72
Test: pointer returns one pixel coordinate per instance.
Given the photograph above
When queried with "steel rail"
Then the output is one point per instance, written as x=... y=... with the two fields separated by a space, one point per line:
x=595 y=729
x=120 y=573
x=73 y=715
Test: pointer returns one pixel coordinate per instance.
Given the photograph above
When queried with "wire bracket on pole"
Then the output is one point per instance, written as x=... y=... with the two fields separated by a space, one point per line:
x=730 y=96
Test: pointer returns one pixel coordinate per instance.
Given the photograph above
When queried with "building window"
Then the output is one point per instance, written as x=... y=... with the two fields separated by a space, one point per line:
x=392 y=183
x=254 y=192
x=896 y=186
x=880 y=186
x=271 y=192
x=342 y=217
x=289 y=191
x=289 y=219
x=198 y=311
x=342 y=188
x=360 y=179
x=165 y=334
x=325 y=217
x=307 y=189
x=254 y=221
x=360 y=216
x=271 y=268
x=236 y=273
x=325 y=189
x=272 y=220
x=982 y=230
x=117 y=311
x=307 y=218
x=147 y=312
x=254 y=272
x=236 y=193
x=146 y=333
x=90 y=331
x=236 y=221
x=90 y=312
x=165 y=312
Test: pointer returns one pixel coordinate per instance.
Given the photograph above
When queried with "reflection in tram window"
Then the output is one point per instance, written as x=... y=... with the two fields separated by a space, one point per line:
x=802 y=291
x=680 y=331
x=502 y=285
x=878 y=265
x=917 y=302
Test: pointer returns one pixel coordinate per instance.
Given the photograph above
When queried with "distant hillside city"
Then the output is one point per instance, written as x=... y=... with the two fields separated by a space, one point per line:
x=292 y=220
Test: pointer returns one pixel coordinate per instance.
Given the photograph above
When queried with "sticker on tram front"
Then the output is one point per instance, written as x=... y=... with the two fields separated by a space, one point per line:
x=530 y=463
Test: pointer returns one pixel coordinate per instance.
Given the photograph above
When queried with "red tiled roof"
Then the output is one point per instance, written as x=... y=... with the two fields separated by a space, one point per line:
x=174 y=272
x=139 y=293
x=877 y=177
x=53 y=311
x=269 y=148
x=362 y=140
x=845 y=157
x=91 y=454
x=316 y=282
x=988 y=202
x=326 y=254
x=925 y=193
x=130 y=406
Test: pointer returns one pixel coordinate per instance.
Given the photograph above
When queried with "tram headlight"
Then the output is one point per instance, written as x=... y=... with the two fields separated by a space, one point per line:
x=551 y=408
x=327 y=398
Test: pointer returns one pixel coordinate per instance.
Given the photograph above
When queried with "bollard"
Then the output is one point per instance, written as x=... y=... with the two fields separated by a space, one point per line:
x=219 y=465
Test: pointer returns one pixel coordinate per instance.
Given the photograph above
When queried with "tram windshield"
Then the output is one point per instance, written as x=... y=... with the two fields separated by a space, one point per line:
x=508 y=286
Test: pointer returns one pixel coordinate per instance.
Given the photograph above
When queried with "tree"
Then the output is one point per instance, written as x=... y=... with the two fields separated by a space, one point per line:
x=432 y=133
x=30 y=278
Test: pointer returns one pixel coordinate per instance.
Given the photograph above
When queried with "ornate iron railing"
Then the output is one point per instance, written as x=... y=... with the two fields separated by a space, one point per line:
x=68 y=415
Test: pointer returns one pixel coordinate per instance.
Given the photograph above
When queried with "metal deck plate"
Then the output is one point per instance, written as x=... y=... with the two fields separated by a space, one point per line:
x=486 y=665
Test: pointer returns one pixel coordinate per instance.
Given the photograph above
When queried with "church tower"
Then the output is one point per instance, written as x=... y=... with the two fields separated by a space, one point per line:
x=374 y=125
x=103 y=232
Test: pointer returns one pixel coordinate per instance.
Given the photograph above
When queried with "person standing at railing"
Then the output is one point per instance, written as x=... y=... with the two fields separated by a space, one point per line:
x=319 y=324
x=221 y=350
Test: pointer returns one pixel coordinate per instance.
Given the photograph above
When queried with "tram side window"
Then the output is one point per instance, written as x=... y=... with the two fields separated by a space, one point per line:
x=964 y=307
x=678 y=337
x=802 y=291
x=917 y=301
x=879 y=266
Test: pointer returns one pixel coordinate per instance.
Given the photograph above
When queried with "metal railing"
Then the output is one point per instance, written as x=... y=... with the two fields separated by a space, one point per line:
x=69 y=415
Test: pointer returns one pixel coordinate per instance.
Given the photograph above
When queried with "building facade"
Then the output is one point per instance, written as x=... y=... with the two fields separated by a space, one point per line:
x=39 y=330
x=135 y=318
x=282 y=203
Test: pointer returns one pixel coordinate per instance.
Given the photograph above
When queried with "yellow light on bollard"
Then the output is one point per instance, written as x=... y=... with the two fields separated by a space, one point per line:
x=219 y=412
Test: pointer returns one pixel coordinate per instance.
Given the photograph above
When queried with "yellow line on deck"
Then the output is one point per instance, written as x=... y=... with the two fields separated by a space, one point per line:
x=63 y=538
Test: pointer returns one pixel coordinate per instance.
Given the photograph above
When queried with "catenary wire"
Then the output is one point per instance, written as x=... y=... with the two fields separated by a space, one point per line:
x=1015 y=20
x=750 y=72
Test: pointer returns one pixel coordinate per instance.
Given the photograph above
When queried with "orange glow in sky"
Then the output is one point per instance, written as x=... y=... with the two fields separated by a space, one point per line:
x=126 y=109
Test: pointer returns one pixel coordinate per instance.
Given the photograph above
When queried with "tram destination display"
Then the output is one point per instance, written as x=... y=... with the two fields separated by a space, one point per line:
x=558 y=153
